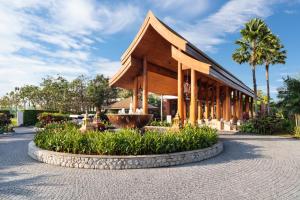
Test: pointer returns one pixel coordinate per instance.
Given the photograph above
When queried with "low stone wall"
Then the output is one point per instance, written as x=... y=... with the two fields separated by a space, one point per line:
x=121 y=162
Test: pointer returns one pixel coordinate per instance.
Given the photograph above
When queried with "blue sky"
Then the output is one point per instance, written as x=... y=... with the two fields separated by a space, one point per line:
x=73 y=37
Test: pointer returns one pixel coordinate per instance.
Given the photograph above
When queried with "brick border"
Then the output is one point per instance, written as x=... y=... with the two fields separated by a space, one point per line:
x=121 y=162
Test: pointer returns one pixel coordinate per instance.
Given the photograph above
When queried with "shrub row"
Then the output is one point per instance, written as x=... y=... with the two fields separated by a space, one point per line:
x=267 y=125
x=67 y=138
x=30 y=117
x=47 y=118
x=159 y=123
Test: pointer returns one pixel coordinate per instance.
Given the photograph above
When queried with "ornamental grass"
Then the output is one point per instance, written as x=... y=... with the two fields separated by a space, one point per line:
x=68 y=138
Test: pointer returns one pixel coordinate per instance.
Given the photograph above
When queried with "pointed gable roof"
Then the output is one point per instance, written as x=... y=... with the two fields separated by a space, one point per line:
x=181 y=49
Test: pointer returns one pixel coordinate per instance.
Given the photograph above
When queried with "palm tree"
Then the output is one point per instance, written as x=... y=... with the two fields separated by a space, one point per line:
x=253 y=35
x=272 y=53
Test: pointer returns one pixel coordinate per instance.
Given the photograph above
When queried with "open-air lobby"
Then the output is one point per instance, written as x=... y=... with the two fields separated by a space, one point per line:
x=162 y=62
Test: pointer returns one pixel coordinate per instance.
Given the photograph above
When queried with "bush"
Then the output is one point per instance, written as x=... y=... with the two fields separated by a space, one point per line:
x=247 y=127
x=7 y=112
x=297 y=132
x=67 y=138
x=267 y=125
x=30 y=117
x=5 y=123
x=159 y=123
x=47 y=118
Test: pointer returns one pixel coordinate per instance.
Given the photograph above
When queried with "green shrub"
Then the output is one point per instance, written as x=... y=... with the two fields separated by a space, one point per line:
x=67 y=138
x=30 y=117
x=47 y=118
x=247 y=127
x=267 y=125
x=7 y=112
x=297 y=132
x=160 y=123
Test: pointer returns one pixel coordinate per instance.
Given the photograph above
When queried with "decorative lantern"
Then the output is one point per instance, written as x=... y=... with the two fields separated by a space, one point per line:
x=187 y=89
x=140 y=93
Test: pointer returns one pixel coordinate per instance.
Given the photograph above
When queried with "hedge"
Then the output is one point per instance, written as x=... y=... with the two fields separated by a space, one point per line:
x=7 y=112
x=30 y=117
x=45 y=118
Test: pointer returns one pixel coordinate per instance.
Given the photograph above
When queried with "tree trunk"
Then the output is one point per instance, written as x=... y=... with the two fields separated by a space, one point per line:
x=255 y=89
x=268 y=89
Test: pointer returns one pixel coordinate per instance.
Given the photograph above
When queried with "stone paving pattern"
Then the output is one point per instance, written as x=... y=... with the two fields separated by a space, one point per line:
x=250 y=167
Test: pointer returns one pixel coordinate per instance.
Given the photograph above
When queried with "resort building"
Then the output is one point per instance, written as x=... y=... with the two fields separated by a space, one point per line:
x=161 y=61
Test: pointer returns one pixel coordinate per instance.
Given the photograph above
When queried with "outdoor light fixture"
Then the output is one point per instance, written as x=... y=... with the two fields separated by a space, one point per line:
x=140 y=92
x=187 y=87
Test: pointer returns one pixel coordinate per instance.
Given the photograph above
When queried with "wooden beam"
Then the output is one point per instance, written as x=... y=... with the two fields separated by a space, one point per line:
x=161 y=70
x=180 y=92
x=135 y=94
x=218 y=102
x=145 y=86
x=194 y=95
x=189 y=62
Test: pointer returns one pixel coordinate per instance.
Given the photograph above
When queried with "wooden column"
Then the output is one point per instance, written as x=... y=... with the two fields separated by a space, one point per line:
x=227 y=104
x=200 y=95
x=194 y=91
x=234 y=104
x=224 y=103
x=212 y=103
x=247 y=104
x=218 y=102
x=180 y=101
x=251 y=111
x=145 y=86
x=206 y=102
x=242 y=105
x=238 y=105
x=135 y=94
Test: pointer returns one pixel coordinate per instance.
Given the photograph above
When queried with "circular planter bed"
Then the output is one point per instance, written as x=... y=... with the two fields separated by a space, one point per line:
x=122 y=162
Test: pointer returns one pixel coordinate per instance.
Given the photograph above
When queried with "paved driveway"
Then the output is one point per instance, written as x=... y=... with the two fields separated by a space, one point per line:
x=251 y=167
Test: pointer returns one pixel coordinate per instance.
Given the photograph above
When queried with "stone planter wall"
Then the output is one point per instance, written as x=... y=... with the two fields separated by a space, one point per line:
x=121 y=162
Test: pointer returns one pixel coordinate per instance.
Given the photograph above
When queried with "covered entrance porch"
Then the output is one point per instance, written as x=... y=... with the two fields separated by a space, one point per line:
x=161 y=61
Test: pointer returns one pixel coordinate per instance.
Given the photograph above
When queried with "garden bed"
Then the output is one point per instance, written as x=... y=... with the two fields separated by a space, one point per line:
x=121 y=162
x=65 y=145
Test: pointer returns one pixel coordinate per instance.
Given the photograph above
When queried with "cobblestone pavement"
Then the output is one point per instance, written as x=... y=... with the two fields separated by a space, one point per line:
x=251 y=167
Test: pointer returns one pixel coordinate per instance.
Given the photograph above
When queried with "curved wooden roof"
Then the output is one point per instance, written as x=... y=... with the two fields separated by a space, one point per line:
x=157 y=39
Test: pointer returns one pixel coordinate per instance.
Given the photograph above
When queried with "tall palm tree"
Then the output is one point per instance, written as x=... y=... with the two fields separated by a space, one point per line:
x=253 y=35
x=272 y=53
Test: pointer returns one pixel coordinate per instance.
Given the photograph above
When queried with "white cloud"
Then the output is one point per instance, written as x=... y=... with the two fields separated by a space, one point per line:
x=106 y=66
x=183 y=8
x=51 y=37
x=211 y=31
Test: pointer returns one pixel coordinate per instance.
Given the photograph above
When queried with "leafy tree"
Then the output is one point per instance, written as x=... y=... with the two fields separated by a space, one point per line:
x=78 y=92
x=249 y=51
x=100 y=93
x=123 y=93
x=272 y=54
x=30 y=94
x=55 y=94
x=289 y=96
